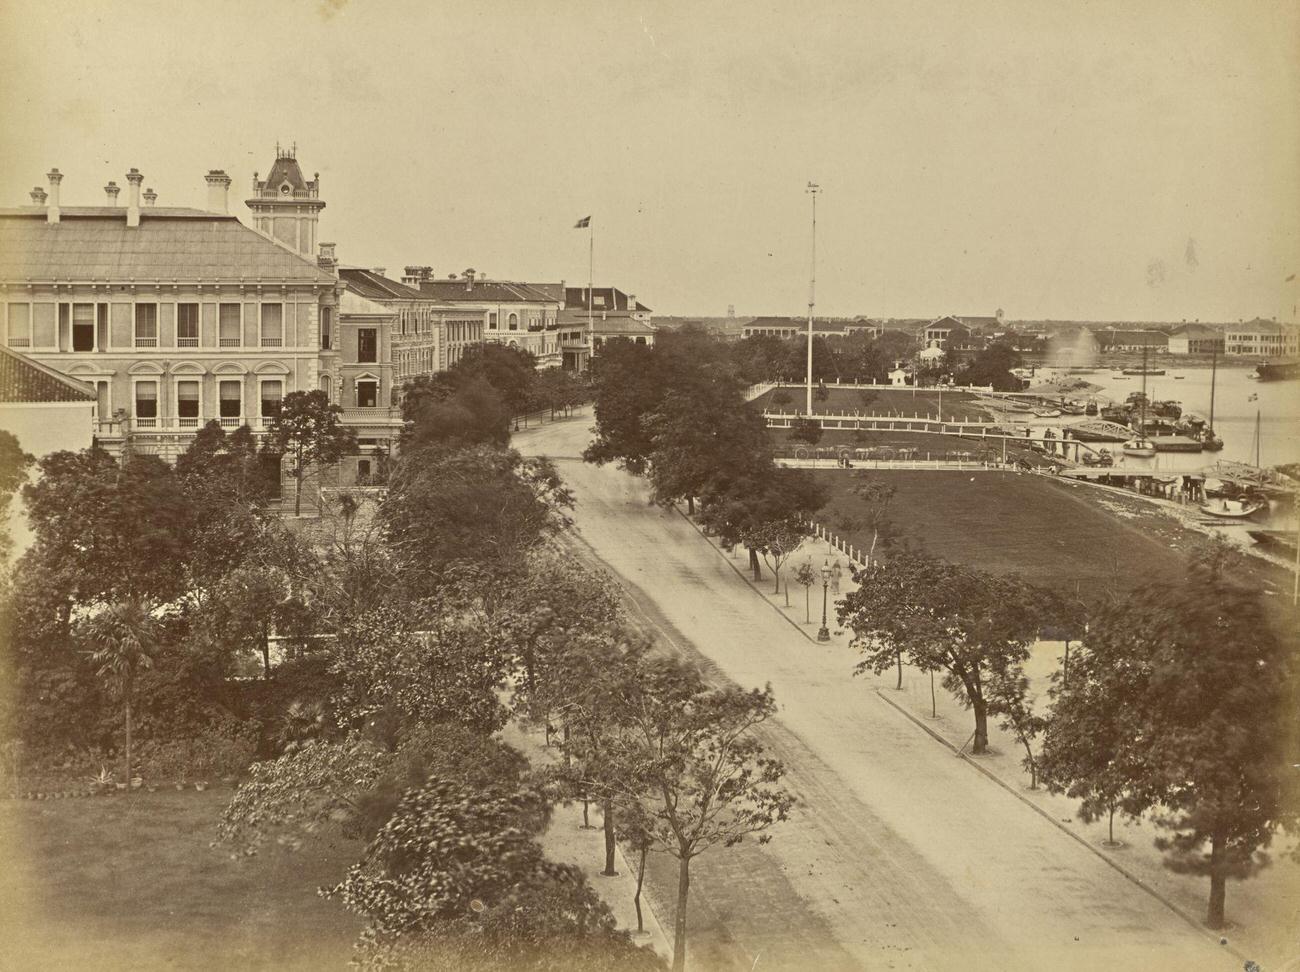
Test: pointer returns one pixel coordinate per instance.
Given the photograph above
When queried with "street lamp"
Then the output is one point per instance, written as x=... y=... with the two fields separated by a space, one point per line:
x=824 y=634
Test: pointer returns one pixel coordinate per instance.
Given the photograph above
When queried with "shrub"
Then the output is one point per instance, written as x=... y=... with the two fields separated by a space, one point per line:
x=224 y=748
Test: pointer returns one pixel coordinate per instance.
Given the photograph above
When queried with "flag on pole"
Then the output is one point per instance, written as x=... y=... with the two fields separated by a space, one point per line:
x=582 y=223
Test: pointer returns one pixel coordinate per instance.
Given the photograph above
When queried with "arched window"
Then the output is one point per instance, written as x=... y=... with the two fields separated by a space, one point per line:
x=325 y=384
x=513 y=320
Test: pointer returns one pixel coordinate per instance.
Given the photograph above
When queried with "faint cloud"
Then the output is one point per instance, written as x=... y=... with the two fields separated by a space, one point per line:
x=1155 y=273
x=331 y=8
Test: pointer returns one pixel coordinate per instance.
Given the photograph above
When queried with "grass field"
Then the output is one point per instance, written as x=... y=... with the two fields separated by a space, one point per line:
x=129 y=882
x=1052 y=532
x=886 y=401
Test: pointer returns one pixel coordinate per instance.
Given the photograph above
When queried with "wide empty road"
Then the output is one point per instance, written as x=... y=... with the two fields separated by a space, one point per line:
x=901 y=856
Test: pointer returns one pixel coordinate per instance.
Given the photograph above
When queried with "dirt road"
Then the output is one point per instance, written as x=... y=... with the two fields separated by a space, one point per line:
x=900 y=855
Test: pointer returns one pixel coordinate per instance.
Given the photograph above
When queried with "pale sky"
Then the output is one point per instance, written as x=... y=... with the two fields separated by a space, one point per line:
x=1105 y=160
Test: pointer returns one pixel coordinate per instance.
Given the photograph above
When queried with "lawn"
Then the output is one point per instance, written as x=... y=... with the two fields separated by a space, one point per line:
x=130 y=882
x=1054 y=533
x=886 y=401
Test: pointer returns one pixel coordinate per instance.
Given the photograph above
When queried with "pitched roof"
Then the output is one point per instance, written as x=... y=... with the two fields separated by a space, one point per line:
x=376 y=286
x=484 y=292
x=620 y=326
x=286 y=169
x=820 y=324
x=1196 y=331
x=1258 y=326
x=1121 y=336
x=95 y=243
x=609 y=299
x=25 y=380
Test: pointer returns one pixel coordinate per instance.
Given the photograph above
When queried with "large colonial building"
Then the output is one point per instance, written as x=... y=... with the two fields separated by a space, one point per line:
x=589 y=317
x=516 y=314
x=177 y=316
x=1261 y=338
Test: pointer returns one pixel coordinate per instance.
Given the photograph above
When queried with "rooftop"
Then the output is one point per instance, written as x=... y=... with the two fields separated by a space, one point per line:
x=466 y=291
x=170 y=244
x=25 y=380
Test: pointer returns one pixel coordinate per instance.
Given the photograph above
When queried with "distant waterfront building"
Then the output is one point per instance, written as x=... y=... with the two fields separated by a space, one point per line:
x=959 y=333
x=1261 y=338
x=1119 y=339
x=1196 y=339
x=515 y=314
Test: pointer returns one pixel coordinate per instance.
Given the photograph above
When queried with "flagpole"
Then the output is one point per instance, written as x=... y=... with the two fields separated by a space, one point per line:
x=812 y=190
x=591 y=273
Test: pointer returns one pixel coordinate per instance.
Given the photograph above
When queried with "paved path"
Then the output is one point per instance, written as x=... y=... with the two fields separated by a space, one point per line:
x=901 y=856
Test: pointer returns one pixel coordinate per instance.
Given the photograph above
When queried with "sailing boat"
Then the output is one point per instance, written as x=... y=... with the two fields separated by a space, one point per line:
x=1209 y=441
x=1141 y=447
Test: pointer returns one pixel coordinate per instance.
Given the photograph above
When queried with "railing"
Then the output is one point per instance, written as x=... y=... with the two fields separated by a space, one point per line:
x=228 y=342
x=20 y=342
x=271 y=342
x=231 y=423
x=187 y=342
x=145 y=423
x=146 y=342
x=187 y=423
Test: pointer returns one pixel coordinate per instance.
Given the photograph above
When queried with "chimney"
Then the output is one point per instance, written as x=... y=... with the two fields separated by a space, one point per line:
x=52 y=211
x=326 y=259
x=150 y=197
x=218 y=186
x=469 y=280
x=111 y=190
x=378 y=271
x=631 y=303
x=414 y=276
x=133 y=178
x=39 y=196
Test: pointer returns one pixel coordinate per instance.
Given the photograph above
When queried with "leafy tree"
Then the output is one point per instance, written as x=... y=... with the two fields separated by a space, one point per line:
x=629 y=385
x=116 y=531
x=1008 y=696
x=1199 y=683
x=776 y=540
x=456 y=874
x=807 y=575
x=440 y=411
x=483 y=505
x=556 y=390
x=14 y=464
x=807 y=430
x=124 y=637
x=511 y=371
x=781 y=398
x=738 y=505
x=875 y=497
x=306 y=428
x=694 y=748
x=992 y=366
x=969 y=624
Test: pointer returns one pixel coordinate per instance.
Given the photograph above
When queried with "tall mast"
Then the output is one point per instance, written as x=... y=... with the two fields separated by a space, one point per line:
x=812 y=190
x=1214 y=370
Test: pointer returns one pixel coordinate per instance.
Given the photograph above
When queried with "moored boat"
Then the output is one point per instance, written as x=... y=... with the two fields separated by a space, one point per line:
x=1232 y=509
x=1140 y=448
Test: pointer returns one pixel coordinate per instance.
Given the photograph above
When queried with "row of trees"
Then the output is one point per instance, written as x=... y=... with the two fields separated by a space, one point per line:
x=1180 y=704
x=675 y=412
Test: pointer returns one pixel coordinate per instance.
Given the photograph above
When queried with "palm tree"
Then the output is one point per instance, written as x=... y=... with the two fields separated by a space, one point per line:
x=125 y=635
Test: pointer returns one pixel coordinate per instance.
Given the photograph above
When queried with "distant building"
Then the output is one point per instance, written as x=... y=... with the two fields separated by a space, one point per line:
x=612 y=314
x=515 y=314
x=959 y=333
x=787 y=327
x=43 y=408
x=1116 y=339
x=1196 y=339
x=1261 y=338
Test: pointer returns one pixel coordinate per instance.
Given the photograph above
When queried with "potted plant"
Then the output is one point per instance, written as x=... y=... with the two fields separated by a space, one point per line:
x=103 y=780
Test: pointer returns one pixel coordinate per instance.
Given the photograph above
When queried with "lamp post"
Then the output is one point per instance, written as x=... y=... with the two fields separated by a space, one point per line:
x=824 y=634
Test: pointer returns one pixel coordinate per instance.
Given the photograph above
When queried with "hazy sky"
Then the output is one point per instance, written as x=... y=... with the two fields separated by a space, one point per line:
x=1055 y=159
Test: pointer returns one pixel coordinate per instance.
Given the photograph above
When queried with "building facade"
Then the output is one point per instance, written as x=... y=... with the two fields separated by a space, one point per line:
x=515 y=314
x=178 y=316
x=1196 y=339
x=1261 y=338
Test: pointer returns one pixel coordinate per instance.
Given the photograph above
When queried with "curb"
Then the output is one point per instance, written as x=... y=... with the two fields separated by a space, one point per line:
x=1133 y=878
x=748 y=583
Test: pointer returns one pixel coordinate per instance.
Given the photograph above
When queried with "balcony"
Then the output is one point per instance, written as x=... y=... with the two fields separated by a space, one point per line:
x=187 y=423
x=146 y=342
x=187 y=342
x=228 y=342
x=229 y=422
x=271 y=342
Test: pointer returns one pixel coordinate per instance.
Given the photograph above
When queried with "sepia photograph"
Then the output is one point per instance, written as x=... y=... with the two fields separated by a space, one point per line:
x=650 y=486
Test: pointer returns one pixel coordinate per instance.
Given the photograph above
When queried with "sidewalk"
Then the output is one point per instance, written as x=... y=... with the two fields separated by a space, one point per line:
x=1264 y=912
x=567 y=842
